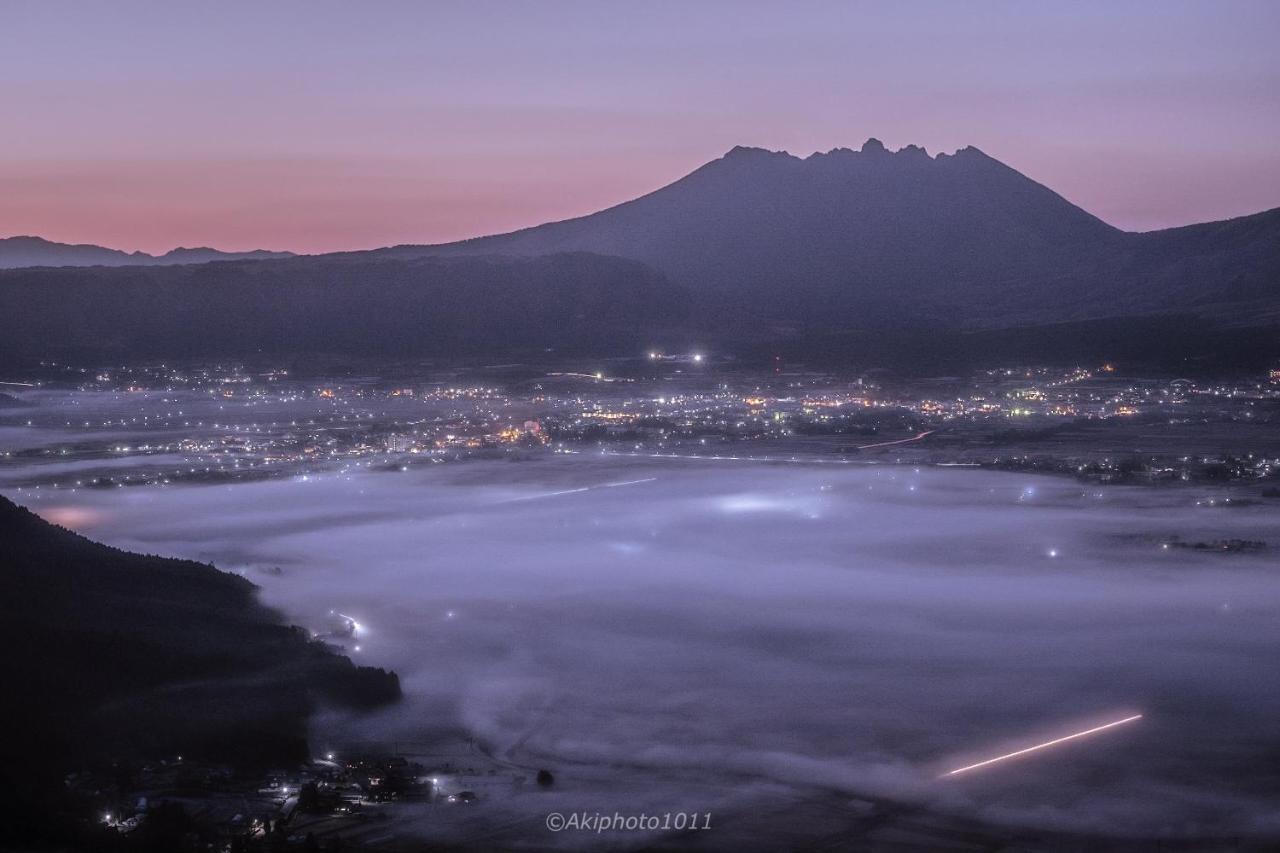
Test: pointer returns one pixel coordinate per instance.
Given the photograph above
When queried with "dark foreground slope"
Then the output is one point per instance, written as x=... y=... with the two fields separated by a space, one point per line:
x=113 y=656
x=357 y=306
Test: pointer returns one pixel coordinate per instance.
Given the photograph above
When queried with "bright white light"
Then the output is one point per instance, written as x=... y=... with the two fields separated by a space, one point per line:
x=1044 y=745
x=697 y=356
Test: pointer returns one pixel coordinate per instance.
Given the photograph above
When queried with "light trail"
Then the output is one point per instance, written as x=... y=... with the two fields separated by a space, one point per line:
x=701 y=457
x=580 y=489
x=356 y=627
x=539 y=497
x=917 y=437
x=628 y=483
x=1044 y=745
x=794 y=460
x=598 y=377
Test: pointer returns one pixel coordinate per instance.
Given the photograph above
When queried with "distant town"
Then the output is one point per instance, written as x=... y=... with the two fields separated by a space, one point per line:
x=224 y=422
x=336 y=801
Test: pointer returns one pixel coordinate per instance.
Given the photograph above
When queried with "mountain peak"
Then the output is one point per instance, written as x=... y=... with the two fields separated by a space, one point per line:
x=973 y=151
x=749 y=152
x=873 y=147
x=835 y=233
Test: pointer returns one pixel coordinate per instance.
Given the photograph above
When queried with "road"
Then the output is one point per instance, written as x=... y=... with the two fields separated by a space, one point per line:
x=916 y=437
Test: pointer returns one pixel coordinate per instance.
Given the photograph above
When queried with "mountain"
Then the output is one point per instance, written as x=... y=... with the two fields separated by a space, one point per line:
x=848 y=238
x=867 y=255
x=18 y=252
x=361 y=305
x=120 y=657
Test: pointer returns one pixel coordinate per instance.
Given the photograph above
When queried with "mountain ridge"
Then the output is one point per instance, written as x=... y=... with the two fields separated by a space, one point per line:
x=368 y=305
x=842 y=235
x=866 y=253
x=23 y=250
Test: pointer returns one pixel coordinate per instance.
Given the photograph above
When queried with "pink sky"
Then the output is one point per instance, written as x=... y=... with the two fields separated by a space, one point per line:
x=324 y=126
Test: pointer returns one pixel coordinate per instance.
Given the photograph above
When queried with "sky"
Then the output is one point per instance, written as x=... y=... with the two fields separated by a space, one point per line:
x=323 y=126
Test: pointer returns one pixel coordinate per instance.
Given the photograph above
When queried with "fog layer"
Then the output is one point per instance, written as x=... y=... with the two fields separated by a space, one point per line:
x=697 y=635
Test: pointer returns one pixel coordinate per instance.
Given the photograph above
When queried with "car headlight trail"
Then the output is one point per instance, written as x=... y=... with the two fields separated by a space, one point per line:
x=1040 y=746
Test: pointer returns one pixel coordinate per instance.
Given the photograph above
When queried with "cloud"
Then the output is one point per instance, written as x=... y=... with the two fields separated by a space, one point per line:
x=722 y=630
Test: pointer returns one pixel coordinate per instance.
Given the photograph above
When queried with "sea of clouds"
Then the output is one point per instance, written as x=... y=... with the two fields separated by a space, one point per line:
x=693 y=635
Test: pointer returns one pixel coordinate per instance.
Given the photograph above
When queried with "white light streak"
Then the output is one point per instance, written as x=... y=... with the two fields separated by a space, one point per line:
x=550 y=494
x=356 y=627
x=581 y=489
x=1044 y=745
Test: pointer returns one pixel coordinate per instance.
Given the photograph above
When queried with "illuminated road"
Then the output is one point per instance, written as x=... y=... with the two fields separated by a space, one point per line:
x=702 y=457
x=916 y=437
x=581 y=489
x=1044 y=745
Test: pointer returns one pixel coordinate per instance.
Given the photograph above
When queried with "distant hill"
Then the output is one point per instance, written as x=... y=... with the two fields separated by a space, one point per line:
x=119 y=656
x=18 y=252
x=850 y=238
x=364 y=305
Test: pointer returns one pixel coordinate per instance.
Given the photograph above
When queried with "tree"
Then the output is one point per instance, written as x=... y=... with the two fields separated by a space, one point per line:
x=308 y=797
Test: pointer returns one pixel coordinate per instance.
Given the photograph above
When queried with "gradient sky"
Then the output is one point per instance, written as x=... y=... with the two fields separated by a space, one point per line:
x=322 y=126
